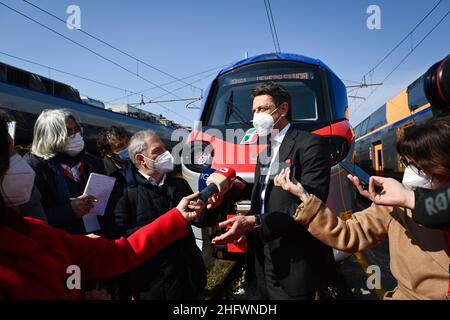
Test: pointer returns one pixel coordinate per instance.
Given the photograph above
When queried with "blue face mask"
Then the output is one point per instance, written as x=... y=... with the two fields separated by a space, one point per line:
x=123 y=154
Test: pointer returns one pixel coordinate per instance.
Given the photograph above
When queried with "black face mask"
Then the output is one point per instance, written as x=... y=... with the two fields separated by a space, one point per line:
x=69 y=160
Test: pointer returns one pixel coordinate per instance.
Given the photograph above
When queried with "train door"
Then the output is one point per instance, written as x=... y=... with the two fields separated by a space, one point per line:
x=378 y=155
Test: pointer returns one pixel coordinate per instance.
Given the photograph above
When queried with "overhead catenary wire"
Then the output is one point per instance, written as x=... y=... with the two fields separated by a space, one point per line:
x=408 y=35
x=183 y=86
x=64 y=72
x=171 y=82
x=404 y=38
x=88 y=49
x=273 y=29
x=78 y=76
x=113 y=47
x=405 y=57
x=97 y=54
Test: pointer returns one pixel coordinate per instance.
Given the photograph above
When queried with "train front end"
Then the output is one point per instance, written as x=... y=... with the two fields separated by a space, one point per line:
x=224 y=136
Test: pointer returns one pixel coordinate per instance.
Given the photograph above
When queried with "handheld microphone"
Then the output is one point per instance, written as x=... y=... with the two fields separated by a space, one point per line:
x=219 y=181
x=206 y=172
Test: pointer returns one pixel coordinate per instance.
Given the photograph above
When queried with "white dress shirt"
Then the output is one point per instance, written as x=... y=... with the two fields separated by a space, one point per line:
x=276 y=143
x=153 y=180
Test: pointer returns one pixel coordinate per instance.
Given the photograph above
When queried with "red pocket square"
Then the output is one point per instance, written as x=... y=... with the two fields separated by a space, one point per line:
x=288 y=161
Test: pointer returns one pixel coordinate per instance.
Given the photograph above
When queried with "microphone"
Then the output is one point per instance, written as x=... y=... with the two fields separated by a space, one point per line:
x=220 y=181
x=206 y=172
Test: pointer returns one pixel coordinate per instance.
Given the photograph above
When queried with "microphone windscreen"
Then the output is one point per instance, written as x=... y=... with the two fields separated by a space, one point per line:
x=222 y=178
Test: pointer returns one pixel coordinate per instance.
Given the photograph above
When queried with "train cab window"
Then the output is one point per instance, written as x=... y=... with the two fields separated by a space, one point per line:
x=232 y=102
x=416 y=95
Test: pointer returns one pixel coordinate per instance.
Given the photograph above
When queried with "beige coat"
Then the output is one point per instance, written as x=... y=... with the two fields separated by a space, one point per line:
x=419 y=255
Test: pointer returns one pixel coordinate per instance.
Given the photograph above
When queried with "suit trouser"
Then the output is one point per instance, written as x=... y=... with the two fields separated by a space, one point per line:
x=269 y=287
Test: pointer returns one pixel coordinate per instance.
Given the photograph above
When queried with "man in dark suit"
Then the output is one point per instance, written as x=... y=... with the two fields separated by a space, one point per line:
x=287 y=261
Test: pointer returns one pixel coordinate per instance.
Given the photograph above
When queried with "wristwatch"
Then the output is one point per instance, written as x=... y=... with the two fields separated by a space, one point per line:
x=257 y=221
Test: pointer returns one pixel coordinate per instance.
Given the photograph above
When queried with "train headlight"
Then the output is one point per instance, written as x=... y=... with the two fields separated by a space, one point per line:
x=198 y=155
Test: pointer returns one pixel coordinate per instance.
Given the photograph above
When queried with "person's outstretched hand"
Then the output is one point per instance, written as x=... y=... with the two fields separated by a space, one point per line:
x=284 y=181
x=394 y=193
x=189 y=208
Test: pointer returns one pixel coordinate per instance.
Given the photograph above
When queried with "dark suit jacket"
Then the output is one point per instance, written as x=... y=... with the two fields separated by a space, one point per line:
x=176 y=271
x=296 y=260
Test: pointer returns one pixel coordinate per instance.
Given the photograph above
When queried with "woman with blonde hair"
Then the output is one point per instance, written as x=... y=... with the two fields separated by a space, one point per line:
x=62 y=168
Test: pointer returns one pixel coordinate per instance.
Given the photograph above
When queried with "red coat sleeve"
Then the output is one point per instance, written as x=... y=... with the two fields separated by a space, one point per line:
x=100 y=258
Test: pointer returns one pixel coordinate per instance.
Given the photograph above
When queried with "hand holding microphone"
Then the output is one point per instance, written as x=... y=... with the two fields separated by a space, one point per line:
x=189 y=208
x=219 y=181
x=213 y=185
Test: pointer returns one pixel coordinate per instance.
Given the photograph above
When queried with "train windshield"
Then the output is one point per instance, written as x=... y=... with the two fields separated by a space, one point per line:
x=232 y=102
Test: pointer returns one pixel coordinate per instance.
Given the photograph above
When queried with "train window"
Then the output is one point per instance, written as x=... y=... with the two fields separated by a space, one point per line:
x=2 y=72
x=377 y=119
x=364 y=126
x=48 y=85
x=416 y=94
x=65 y=91
x=18 y=77
x=35 y=83
x=357 y=130
x=232 y=103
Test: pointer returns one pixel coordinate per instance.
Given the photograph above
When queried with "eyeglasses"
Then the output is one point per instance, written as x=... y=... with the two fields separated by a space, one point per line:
x=414 y=167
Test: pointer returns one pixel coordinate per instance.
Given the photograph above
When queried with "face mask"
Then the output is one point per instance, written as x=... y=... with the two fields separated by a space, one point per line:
x=74 y=145
x=412 y=180
x=163 y=163
x=123 y=154
x=264 y=123
x=17 y=183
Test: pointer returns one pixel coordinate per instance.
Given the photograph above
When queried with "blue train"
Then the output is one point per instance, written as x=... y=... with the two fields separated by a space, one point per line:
x=24 y=95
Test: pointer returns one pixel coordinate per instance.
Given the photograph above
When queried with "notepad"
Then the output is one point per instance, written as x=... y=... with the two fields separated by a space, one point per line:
x=99 y=186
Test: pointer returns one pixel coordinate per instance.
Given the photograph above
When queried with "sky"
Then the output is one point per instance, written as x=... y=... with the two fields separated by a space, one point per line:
x=183 y=38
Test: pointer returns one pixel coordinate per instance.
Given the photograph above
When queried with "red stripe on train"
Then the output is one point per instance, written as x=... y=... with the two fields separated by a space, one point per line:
x=242 y=158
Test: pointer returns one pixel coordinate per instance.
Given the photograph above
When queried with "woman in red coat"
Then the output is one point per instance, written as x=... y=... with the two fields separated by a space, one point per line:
x=38 y=261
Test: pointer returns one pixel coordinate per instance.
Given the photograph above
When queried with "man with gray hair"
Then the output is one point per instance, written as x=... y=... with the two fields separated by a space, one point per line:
x=177 y=271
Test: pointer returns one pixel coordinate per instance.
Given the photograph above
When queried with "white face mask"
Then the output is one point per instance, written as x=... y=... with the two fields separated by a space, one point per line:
x=74 y=145
x=163 y=163
x=412 y=180
x=264 y=123
x=17 y=183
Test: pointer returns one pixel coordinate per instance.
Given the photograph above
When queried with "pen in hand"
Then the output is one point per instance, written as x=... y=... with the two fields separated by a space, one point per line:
x=82 y=205
x=72 y=199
